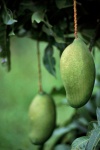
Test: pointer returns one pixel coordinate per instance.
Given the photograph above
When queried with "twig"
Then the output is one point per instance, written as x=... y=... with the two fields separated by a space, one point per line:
x=39 y=68
x=75 y=19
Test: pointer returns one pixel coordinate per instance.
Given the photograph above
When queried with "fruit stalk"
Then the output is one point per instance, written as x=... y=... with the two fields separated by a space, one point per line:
x=75 y=19
x=39 y=68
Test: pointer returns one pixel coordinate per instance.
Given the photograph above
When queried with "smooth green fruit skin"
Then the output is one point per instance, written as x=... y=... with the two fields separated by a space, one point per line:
x=42 y=114
x=78 y=73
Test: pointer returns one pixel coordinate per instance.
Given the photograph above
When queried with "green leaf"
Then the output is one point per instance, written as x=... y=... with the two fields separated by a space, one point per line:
x=11 y=33
x=92 y=125
x=62 y=147
x=50 y=32
x=38 y=16
x=63 y=130
x=94 y=139
x=7 y=16
x=47 y=22
x=63 y=3
x=49 y=60
x=58 y=39
x=80 y=143
x=98 y=115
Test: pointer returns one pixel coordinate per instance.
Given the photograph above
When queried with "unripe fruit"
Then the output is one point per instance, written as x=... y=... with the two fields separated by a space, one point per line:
x=42 y=114
x=78 y=73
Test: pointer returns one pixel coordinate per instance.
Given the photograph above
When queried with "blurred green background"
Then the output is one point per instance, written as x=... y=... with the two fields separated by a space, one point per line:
x=17 y=89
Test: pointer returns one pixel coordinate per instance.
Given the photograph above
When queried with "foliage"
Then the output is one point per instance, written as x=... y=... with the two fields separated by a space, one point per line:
x=49 y=60
x=51 y=22
x=92 y=139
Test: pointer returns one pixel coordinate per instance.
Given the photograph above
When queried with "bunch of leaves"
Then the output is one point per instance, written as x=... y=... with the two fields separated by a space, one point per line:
x=92 y=140
x=50 y=21
x=6 y=18
x=34 y=19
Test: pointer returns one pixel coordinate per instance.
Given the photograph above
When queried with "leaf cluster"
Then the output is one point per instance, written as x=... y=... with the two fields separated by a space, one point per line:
x=50 y=21
x=92 y=140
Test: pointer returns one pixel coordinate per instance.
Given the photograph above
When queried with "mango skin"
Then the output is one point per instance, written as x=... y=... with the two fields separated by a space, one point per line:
x=42 y=114
x=78 y=73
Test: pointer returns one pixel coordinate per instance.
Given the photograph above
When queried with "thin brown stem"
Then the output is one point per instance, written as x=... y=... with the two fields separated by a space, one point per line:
x=39 y=68
x=75 y=19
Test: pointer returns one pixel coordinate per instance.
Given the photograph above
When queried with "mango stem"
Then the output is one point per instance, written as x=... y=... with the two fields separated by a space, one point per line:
x=75 y=19
x=39 y=68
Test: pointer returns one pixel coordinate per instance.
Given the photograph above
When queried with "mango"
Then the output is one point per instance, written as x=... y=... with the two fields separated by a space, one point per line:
x=78 y=73
x=42 y=116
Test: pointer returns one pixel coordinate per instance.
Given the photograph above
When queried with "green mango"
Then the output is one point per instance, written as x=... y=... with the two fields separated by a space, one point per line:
x=78 y=73
x=42 y=115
